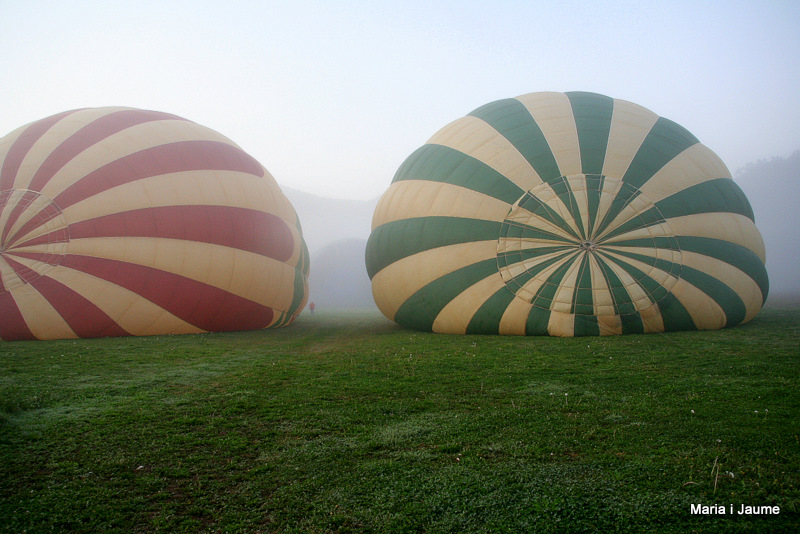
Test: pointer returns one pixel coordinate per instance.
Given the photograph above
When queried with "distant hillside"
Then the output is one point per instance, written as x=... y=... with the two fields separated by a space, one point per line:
x=327 y=220
x=339 y=276
x=336 y=232
x=773 y=188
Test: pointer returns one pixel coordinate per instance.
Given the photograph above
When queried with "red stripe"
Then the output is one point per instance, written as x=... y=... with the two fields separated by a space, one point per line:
x=39 y=218
x=154 y=161
x=157 y=160
x=89 y=135
x=22 y=145
x=241 y=228
x=12 y=325
x=83 y=317
x=204 y=306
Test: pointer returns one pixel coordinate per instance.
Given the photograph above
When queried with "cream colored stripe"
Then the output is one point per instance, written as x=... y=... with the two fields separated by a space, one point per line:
x=602 y=299
x=39 y=207
x=578 y=186
x=529 y=290
x=476 y=138
x=695 y=165
x=207 y=188
x=706 y=314
x=637 y=293
x=7 y=141
x=518 y=245
x=660 y=276
x=251 y=276
x=610 y=325
x=652 y=320
x=565 y=294
x=56 y=135
x=395 y=283
x=42 y=319
x=608 y=194
x=126 y=142
x=730 y=227
x=553 y=113
x=737 y=280
x=527 y=218
x=633 y=209
x=135 y=314
x=559 y=205
x=456 y=315
x=630 y=124
x=8 y=277
x=13 y=200
x=512 y=270
x=409 y=199
x=218 y=188
x=561 y=324
x=515 y=318
x=647 y=232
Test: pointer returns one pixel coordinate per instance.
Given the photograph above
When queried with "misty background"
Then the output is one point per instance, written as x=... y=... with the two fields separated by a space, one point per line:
x=331 y=97
x=336 y=232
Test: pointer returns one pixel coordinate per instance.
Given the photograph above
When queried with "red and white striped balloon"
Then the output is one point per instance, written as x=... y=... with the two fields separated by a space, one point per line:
x=120 y=221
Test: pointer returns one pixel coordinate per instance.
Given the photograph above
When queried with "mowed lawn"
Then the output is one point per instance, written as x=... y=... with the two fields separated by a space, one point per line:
x=349 y=423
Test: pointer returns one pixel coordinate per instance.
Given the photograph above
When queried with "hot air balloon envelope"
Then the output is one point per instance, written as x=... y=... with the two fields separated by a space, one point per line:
x=120 y=221
x=565 y=214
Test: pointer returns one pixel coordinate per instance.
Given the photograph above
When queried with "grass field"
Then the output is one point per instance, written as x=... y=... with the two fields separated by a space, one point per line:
x=348 y=423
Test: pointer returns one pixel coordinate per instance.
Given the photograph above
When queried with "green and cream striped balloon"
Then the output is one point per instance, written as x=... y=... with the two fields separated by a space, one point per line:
x=565 y=214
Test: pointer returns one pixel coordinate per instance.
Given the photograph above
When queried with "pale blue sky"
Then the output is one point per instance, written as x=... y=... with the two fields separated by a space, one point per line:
x=331 y=96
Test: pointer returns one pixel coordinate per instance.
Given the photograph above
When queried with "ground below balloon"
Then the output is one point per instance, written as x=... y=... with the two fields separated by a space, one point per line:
x=348 y=423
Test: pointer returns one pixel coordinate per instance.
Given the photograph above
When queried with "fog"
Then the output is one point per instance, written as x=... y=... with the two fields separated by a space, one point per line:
x=336 y=232
x=773 y=188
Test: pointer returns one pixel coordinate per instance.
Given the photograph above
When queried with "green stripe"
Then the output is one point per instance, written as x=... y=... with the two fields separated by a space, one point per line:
x=299 y=283
x=537 y=322
x=511 y=257
x=396 y=240
x=487 y=319
x=673 y=312
x=420 y=310
x=594 y=188
x=674 y=315
x=586 y=325
x=523 y=278
x=623 y=197
x=720 y=195
x=738 y=256
x=544 y=297
x=537 y=207
x=513 y=230
x=582 y=303
x=563 y=189
x=662 y=144
x=730 y=302
x=514 y=122
x=438 y=163
x=623 y=305
x=592 y=114
x=655 y=290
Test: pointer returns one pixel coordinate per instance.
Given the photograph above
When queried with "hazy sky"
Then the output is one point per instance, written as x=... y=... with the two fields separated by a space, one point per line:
x=331 y=96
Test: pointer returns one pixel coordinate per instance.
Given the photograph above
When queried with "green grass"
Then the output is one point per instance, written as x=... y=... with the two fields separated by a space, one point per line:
x=348 y=423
